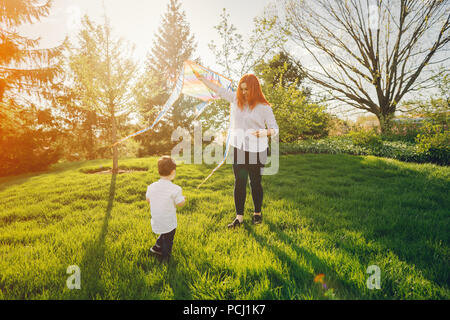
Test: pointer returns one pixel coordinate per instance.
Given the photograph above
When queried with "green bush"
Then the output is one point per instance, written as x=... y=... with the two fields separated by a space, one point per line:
x=434 y=142
x=27 y=140
x=366 y=139
x=400 y=150
x=297 y=116
x=403 y=130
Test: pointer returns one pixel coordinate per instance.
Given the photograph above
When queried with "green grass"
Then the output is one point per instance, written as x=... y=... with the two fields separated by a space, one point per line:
x=323 y=213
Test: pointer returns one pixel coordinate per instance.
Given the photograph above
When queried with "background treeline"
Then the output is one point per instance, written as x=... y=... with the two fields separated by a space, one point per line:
x=74 y=101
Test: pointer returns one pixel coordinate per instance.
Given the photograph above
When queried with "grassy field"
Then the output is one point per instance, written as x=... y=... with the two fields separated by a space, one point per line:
x=330 y=214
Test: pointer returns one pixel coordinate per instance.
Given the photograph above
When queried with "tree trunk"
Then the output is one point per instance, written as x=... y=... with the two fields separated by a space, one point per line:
x=385 y=122
x=90 y=147
x=115 y=150
x=2 y=89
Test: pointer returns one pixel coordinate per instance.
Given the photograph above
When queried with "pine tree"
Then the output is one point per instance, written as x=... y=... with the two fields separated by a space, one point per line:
x=23 y=67
x=27 y=132
x=173 y=45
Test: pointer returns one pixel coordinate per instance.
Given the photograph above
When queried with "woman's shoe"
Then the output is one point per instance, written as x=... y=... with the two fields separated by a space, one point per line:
x=234 y=224
x=257 y=218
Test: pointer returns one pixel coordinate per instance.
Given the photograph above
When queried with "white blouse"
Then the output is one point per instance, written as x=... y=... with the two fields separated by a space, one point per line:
x=245 y=121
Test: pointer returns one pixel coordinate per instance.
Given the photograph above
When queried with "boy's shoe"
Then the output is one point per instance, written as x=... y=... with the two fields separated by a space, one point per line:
x=234 y=224
x=257 y=219
x=156 y=250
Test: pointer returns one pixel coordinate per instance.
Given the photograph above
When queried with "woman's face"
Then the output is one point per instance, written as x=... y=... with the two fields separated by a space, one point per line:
x=244 y=89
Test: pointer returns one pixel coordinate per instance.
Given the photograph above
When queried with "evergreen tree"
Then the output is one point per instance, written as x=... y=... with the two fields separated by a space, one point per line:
x=23 y=67
x=173 y=45
x=27 y=132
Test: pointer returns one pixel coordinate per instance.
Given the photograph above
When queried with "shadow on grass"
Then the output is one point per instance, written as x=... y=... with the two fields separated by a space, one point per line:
x=178 y=279
x=303 y=279
x=10 y=181
x=298 y=276
x=397 y=207
x=95 y=254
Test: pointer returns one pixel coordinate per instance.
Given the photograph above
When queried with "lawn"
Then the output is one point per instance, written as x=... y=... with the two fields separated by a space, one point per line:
x=323 y=213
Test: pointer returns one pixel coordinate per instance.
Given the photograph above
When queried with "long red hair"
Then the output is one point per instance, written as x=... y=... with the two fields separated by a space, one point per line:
x=254 y=94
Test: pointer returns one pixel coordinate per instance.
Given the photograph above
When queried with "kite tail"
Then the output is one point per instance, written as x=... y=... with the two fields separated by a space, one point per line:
x=220 y=164
x=227 y=149
x=173 y=97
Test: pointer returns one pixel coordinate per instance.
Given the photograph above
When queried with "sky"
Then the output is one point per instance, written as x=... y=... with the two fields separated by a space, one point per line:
x=138 y=20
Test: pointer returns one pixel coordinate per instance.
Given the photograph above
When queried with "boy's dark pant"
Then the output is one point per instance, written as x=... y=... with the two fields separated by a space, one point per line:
x=248 y=164
x=165 y=242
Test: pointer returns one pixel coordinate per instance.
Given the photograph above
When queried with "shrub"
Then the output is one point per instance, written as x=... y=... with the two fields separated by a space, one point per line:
x=434 y=142
x=296 y=115
x=25 y=153
x=403 y=130
x=338 y=127
x=366 y=139
x=27 y=140
x=400 y=150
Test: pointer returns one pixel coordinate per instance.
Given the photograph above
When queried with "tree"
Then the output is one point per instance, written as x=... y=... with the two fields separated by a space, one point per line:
x=370 y=54
x=297 y=116
x=238 y=57
x=27 y=139
x=78 y=123
x=27 y=133
x=103 y=71
x=23 y=67
x=173 y=45
x=280 y=69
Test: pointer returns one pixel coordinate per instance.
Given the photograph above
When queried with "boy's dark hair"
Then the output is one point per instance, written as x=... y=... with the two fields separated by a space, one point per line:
x=166 y=165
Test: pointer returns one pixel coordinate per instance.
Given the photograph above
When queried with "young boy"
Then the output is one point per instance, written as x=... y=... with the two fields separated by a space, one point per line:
x=163 y=197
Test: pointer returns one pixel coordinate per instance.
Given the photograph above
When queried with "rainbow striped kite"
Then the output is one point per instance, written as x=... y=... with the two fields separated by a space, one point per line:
x=188 y=84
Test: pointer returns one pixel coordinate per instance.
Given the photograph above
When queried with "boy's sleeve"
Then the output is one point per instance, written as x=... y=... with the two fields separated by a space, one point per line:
x=178 y=196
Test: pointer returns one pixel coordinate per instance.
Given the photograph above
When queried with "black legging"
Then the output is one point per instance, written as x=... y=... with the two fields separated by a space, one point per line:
x=245 y=164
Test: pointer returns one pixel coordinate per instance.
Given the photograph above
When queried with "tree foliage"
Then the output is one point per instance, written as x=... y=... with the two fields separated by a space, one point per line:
x=173 y=45
x=237 y=55
x=27 y=132
x=28 y=139
x=280 y=70
x=24 y=68
x=103 y=71
x=297 y=116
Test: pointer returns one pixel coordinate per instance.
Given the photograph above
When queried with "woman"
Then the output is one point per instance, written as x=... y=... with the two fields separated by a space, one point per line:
x=250 y=114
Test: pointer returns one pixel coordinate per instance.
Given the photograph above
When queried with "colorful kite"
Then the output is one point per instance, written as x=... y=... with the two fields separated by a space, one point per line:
x=188 y=84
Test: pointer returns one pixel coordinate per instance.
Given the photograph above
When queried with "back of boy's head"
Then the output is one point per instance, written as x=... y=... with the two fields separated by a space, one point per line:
x=166 y=165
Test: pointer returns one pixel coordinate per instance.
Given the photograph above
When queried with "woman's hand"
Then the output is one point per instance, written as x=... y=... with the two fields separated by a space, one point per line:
x=263 y=133
x=260 y=133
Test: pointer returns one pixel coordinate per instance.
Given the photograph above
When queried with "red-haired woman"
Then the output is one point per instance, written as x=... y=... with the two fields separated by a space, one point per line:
x=250 y=114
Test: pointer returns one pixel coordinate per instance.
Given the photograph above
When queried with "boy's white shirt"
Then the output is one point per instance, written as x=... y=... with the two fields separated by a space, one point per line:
x=164 y=196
